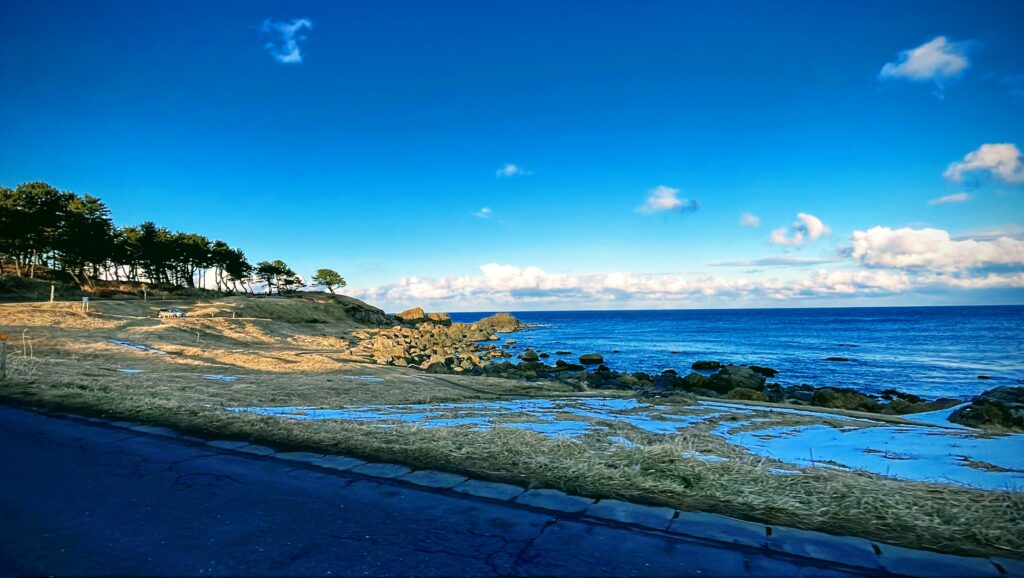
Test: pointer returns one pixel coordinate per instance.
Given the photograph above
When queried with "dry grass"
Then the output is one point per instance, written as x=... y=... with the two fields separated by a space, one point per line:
x=74 y=367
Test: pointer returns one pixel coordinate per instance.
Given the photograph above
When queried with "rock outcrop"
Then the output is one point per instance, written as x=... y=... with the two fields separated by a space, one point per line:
x=412 y=315
x=417 y=315
x=591 y=358
x=501 y=323
x=1002 y=408
x=429 y=341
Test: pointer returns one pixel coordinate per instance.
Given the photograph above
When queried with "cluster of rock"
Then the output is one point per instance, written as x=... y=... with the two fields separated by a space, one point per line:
x=431 y=342
x=1002 y=407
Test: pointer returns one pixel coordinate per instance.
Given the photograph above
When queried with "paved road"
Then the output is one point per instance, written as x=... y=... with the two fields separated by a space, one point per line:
x=83 y=498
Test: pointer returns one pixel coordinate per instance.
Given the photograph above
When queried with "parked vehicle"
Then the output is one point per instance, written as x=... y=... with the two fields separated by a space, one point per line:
x=172 y=312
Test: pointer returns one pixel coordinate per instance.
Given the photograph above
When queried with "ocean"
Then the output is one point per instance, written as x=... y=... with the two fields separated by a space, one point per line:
x=929 y=351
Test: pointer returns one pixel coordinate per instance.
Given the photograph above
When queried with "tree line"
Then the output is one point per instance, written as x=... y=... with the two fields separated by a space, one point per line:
x=41 y=226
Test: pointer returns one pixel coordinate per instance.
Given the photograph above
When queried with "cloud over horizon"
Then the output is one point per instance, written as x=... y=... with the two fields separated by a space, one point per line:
x=880 y=261
x=933 y=249
x=284 y=37
x=663 y=199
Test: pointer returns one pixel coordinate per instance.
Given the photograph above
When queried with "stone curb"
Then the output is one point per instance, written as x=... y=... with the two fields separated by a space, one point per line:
x=849 y=551
x=434 y=479
x=554 y=500
x=381 y=470
x=655 y=517
x=490 y=490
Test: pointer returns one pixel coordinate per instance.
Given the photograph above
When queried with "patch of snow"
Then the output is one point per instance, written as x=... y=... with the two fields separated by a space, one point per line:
x=554 y=429
x=137 y=347
x=704 y=457
x=924 y=454
x=621 y=440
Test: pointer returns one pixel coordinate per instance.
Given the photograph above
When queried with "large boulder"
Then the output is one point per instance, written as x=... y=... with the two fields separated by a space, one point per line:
x=732 y=376
x=440 y=318
x=591 y=359
x=530 y=355
x=844 y=398
x=414 y=315
x=1002 y=407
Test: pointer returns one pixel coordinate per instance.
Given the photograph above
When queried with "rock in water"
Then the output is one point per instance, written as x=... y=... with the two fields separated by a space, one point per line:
x=1002 y=407
x=706 y=365
x=501 y=323
x=591 y=359
x=765 y=371
x=530 y=355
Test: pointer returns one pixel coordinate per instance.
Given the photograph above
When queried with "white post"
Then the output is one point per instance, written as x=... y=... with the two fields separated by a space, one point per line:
x=51 y=293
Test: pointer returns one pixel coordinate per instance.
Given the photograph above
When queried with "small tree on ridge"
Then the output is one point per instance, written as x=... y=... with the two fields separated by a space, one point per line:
x=329 y=278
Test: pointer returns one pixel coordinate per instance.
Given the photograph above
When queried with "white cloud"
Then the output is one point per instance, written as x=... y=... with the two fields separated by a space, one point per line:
x=284 y=37
x=989 y=281
x=933 y=249
x=511 y=170
x=936 y=60
x=661 y=199
x=503 y=285
x=955 y=198
x=750 y=220
x=774 y=261
x=1003 y=161
x=484 y=213
x=806 y=227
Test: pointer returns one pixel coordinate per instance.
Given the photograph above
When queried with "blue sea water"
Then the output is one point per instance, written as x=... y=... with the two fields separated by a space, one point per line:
x=930 y=351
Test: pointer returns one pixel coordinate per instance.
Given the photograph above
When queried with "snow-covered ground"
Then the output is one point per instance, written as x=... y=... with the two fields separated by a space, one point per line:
x=935 y=451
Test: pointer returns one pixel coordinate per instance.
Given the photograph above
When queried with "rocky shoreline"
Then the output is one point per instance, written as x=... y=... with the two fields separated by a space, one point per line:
x=432 y=343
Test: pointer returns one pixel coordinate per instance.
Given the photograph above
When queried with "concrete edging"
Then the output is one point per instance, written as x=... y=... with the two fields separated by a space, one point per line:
x=849 y=551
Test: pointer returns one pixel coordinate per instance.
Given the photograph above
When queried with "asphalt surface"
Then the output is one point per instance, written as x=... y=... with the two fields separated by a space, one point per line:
x=82 y=498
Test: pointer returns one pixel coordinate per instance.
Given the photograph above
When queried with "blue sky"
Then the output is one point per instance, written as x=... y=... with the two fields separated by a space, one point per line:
x=371 y=137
